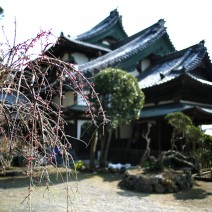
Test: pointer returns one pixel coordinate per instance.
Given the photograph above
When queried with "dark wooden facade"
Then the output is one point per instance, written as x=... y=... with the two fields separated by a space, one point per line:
x=172 y=81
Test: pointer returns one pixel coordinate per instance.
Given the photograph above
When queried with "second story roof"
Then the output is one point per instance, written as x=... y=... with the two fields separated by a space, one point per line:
x=66 y=43
x=110 y=27
x=137 y=48
x=177 y=64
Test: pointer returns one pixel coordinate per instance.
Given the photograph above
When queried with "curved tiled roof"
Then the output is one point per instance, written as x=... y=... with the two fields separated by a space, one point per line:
x=85 y=44
x=65 y=43
x=103 y=26
x=162 y=110
x=199 y=81
x=128 y=39
x=139 y=43
x=174 y=65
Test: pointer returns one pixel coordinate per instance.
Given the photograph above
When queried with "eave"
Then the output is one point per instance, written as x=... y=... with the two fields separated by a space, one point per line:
x=174 y=65
x=183 y=87
x=167 y=42
x=130 y=51
x=199 y=113
x=66 y=44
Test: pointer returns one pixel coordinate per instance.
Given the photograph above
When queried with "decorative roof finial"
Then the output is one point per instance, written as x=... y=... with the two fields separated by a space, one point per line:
x=183 y=69
x=61 y=34
x=162 y=76
x=114 y=12
x=161 y=22
x=202 y=42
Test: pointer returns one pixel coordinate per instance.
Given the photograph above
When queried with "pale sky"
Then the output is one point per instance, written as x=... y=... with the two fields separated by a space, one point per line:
x=187 y=21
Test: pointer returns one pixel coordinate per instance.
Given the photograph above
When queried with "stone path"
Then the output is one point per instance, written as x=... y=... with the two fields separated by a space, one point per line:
x=98 y=194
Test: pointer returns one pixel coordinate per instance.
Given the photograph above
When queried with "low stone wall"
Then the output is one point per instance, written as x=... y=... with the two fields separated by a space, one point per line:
x=168 y=181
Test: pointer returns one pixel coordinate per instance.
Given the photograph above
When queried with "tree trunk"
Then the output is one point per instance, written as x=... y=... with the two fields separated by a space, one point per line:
x=147 y=150
x=105 y=149
x=178 y=156
x=93 y=150
x=102 y=140
x=107 y=146
x=199 y=167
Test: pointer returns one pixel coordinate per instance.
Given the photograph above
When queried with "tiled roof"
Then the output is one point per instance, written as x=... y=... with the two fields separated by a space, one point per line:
x=103 y=26
x=161 y=111
x=174 y=65
x=128 y=39
x=138 y=44
x=200 y=81
x=85 y=44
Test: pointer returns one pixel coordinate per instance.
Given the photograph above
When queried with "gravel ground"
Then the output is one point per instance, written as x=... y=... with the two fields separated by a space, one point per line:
x=98 y=193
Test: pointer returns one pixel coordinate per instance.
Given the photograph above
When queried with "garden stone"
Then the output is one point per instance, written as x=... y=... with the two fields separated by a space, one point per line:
x=167 y=181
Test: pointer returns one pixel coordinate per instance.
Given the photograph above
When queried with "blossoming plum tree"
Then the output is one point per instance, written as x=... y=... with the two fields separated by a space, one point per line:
x=28 y=115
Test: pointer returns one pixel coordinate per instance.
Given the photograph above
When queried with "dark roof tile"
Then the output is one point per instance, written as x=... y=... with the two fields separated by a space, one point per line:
x=162 y=110
x=103 y=26
x=140 y=43
x=173 y=66
x=81 y=43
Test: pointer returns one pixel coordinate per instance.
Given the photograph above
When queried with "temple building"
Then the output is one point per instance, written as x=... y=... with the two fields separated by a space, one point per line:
x=171 y=80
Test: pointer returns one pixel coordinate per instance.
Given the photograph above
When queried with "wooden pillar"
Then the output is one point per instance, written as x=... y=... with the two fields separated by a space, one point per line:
x=159 y=135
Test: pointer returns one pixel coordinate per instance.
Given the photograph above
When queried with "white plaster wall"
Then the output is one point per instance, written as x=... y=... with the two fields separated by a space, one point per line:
x=145 y=64
x=80 y=58
x=105 y=42
x=80 y=100
x=71 y=121
x=65 y=57
x=56 y=100
x=79 y=125
x=67 y=101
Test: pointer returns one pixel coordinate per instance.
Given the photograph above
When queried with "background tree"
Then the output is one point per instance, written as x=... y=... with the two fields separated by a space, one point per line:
x=145 y=135
x=122 y=101
x=185 y=140
x=180 y=124
x=90 y=136
x=204 y=151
